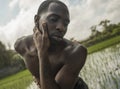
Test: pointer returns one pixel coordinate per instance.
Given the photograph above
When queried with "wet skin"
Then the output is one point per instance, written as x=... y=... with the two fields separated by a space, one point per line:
x=53 y=60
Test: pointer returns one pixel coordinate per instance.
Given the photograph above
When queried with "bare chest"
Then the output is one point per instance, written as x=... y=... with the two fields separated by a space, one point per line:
x=56 y=61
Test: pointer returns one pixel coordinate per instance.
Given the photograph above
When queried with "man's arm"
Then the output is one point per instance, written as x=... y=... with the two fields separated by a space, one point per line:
x=68 y=74
x=24 y=47
x=42 y=44
x=20 y=46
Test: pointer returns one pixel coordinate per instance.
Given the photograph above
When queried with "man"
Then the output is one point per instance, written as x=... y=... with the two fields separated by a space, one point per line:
x=54 y=61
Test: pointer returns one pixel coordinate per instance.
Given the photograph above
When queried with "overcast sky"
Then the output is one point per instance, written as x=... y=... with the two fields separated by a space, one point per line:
x=17 y=17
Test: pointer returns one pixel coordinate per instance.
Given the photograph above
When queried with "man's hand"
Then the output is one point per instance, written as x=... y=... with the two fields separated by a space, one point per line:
x=41 y=39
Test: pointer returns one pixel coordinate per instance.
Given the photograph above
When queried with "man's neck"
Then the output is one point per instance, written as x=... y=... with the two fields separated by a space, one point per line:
x=57 y=46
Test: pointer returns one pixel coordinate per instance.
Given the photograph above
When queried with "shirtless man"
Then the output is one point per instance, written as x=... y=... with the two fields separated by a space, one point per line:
x=54 y=61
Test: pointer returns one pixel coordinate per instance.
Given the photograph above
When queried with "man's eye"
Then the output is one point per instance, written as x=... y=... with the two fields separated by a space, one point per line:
x=66 y=23
x=53 y=19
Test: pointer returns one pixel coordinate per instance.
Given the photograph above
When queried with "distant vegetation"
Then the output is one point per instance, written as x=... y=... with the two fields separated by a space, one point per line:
x=108 y=31
x=10 y=61
x=104 y=44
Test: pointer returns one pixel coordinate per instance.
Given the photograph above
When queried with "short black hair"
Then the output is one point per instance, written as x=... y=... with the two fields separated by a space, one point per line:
x=44 y=5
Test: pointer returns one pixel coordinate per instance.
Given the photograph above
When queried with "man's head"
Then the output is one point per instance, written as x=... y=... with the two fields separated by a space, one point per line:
x=56 y=15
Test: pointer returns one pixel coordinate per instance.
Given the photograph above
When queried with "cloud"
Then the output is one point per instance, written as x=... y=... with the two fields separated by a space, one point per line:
x=84 y=14
x=89 y=13
x=19 y=26
x=13 y=3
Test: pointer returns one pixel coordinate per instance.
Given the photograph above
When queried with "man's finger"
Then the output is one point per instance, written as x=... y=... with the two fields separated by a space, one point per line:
x=34 y=29
x=45 y=29
x=40 y=30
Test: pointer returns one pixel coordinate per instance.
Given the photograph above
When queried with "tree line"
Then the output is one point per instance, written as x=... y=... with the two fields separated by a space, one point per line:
x=10 y=61
x=108 y=31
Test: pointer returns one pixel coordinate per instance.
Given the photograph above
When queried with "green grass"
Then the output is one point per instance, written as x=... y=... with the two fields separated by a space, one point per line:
x=103 y=44
x=17 y=81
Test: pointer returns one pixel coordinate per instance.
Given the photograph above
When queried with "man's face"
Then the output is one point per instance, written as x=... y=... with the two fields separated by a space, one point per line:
x=57 y=20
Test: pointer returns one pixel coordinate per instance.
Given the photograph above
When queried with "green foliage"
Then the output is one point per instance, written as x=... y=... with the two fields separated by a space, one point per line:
x=4 y=58
x=116 y=31
x=10 y=62
x=17 y=60
x=9 y=57
x=109 y=31
x=104 y=23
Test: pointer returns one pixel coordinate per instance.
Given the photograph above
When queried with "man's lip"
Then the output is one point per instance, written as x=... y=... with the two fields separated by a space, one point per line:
x=57 y=38
x=60 y=36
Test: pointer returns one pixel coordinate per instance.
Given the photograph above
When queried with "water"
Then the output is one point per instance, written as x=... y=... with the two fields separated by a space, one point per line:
x=33 y=86
x=102 y=69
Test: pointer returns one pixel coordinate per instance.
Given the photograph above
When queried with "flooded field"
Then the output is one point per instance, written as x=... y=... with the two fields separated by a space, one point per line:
x=102 y=69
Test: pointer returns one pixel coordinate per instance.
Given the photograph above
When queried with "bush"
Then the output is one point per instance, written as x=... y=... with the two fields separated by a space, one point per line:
x=16 y=65
x=17 y=60
x=116 y=31
x=4 y=57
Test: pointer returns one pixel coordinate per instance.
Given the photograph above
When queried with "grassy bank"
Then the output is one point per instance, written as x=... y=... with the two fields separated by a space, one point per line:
x=16 y=81
x=103 y=44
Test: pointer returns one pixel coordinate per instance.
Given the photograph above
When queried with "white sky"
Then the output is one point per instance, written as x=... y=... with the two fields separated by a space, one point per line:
x=17 y=17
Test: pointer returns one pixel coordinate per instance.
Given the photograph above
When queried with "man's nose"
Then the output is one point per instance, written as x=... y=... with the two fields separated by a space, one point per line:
x=60 y=27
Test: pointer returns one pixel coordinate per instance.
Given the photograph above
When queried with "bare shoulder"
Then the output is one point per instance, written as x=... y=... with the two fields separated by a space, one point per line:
x=76 y=53
x=24 y=44
x=75 y=47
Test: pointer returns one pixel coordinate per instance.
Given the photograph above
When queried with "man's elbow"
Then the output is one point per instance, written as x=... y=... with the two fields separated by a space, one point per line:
x=83 y=55
x=18 y=46
x=83 y=51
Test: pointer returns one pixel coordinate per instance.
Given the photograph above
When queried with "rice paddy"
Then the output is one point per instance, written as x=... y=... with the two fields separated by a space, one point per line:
x=102 y=69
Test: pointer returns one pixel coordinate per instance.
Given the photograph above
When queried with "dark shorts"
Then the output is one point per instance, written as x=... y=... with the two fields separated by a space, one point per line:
x=80 y=84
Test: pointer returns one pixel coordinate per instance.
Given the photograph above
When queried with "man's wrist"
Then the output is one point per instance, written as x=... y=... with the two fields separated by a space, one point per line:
x=42 y=55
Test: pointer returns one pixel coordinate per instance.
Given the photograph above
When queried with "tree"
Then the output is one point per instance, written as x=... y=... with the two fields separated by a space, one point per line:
x=9 y=46
x=4 y=58
x=104 y=23
x=93 y=30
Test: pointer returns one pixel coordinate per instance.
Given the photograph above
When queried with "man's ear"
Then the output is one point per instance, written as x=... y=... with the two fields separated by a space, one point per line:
x=36 y=20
